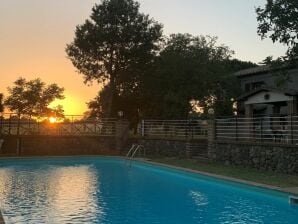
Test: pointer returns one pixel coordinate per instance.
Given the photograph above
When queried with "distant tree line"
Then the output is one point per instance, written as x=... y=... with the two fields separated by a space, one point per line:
x=32 y=98
x=147 y=74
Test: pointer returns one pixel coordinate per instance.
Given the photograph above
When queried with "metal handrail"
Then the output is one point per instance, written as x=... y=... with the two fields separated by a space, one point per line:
x=136 y=150
x=132 y=152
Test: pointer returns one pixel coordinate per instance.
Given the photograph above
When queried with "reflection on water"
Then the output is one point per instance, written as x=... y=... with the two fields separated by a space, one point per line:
x=242 y=211
x=52 y=194
x=106 y=191
x=199 y=198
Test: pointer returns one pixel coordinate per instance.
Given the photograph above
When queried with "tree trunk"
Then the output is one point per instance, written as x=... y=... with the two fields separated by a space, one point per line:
x=109 y=110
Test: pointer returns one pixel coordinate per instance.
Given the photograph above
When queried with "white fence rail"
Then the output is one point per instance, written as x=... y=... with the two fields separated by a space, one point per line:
x=192 y=129
x=283 y=129
x=72 y=125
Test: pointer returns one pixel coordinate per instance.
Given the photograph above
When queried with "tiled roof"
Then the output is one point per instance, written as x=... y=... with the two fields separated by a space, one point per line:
x=254 y=70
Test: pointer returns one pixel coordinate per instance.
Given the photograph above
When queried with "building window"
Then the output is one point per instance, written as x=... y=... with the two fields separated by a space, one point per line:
x=253 y=86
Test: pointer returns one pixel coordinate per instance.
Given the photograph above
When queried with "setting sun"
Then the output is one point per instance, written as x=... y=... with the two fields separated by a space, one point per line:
x=52 y=120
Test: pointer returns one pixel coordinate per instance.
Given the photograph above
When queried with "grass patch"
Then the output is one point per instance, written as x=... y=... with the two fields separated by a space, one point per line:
x=264 y=177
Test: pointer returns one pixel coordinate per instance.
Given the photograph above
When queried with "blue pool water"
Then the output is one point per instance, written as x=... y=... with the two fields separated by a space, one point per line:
x=103 y=190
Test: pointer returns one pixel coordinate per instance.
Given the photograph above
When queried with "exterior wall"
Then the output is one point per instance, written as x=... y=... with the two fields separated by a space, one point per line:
x=273 y=157
x=266 y=78
x=269 y=79
x=294 y=80
x=58 y=146
x=172 y=148
x=84 y=145
x=274 y=97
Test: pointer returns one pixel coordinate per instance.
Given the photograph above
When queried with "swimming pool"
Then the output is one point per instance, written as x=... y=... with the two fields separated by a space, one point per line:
x=105 y=190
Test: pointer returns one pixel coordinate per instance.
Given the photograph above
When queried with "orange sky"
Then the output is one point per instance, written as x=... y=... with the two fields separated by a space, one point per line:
x=33 y=37
x=34 y=33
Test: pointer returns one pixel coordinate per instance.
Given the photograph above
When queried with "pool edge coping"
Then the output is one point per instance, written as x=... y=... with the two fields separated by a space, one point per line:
x=287 y=190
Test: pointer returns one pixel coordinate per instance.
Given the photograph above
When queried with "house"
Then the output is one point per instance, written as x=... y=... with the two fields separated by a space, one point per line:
x=263 y=95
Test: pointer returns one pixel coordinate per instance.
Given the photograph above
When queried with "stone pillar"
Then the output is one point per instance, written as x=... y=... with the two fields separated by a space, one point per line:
x=292 y=107
x=211 y=139
x=248 y=110
x=292 y=119
x=248 y=120
x=276 y=119
x=122 y=133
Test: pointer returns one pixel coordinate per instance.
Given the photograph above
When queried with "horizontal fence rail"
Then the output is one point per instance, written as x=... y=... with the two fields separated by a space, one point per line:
x=282 y=129
x=191 y=129
x=69 y=125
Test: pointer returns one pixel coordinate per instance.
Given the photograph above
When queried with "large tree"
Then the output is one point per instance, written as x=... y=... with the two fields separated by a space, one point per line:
x=189 y=72
x=279 y=20
x=114 y=47
x=189 y=69
x=33 y=97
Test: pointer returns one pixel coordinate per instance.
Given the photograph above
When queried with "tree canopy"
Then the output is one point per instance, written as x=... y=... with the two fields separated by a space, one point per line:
x=33 y=97
x=145 y=74
x=114 y=47
x=190 y=72
x=278 y=20
x=189 y=68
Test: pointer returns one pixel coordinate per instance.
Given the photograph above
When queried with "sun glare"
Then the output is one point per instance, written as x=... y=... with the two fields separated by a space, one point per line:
x=52 y=120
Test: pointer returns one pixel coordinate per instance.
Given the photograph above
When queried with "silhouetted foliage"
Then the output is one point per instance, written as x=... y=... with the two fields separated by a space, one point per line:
x=33 y=98
x=145 y=76
x=1 y=103
x=190 y=72
x=97 y=105
x=279 y=69
x=114 y=47
x=190 y=68
x=235 y=65
x=278 y=20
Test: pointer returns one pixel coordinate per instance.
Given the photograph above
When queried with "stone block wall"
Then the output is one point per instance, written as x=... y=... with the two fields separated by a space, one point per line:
x=274 y=157
x=170 y=147
x=58 y=146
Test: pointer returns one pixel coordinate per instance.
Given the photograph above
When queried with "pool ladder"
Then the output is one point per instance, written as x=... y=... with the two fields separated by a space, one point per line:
x=133 y=151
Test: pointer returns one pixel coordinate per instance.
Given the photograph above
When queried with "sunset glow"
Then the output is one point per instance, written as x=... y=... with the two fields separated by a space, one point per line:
x=52 y=120
x=34 y=35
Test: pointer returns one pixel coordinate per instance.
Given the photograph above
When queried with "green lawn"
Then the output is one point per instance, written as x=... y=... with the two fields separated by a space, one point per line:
x=264 y=177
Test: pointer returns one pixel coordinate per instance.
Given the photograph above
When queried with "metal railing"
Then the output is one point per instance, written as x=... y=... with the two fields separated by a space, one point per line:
x=11 y=124
x=135 y=148
x=186 y=129
x=281 y=129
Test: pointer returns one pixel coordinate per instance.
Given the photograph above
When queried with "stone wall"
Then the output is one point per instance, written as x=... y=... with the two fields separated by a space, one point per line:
x=273 y=157
x=171 y=147
x=58 y=146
